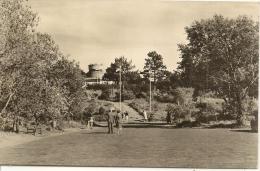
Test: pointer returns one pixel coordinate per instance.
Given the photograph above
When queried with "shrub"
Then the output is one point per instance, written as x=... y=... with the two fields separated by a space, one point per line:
x=151 y=117
x=254 y=122
x=135 y=106
x=99 y=87
x=71 y=124
x=183 y=96
x=101 y=110
x=141 y=95
x=189 y=124
x=90 y=110
x=126 y=95
x=210 y=109
x=165 y=98
x=100 y=118
x=181 y=112
x=107 y=94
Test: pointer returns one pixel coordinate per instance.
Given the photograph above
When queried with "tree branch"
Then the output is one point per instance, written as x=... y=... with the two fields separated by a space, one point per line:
x=6 y=104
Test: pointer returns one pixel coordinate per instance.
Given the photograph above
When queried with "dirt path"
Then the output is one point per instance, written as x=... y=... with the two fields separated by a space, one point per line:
x=133 y=115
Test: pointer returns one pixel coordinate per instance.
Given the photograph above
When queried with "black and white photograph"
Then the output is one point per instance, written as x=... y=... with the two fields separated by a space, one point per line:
x=129 y=83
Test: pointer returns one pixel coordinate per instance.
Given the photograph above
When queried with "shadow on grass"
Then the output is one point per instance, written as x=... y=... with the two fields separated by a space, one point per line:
x=94 y=133
x=243 y=130
x=141 y=125
x=148 y=126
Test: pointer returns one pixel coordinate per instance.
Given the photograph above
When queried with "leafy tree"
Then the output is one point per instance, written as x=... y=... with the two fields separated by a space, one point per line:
x=154 y=64
x=112 y=72
x=222 y=55
x=37 y=82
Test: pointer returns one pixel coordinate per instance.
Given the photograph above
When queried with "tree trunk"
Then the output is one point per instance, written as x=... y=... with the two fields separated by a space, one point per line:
x=240 y=115
x=14 y=123
x=17 y=126
x=9 y=98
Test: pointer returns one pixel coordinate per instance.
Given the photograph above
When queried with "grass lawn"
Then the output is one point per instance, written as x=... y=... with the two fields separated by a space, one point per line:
x=141 y=147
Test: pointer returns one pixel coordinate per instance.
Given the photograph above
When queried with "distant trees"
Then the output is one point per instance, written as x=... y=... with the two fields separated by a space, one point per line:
x=222 y=55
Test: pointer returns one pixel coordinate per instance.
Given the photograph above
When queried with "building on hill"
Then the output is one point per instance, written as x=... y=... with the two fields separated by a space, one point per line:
x=95 y=74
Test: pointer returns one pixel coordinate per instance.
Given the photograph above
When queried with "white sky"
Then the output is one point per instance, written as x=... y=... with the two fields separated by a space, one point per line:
x=97 y=31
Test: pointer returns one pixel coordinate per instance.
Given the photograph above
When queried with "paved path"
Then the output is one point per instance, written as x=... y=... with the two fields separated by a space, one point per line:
x=142 y=147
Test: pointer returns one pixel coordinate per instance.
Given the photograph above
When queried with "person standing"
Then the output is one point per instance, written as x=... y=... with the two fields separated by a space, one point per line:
x=118 y=120
x=91 y=122
x=126 y=116
x=145 y=116
x=110 y=120
x=169 y=118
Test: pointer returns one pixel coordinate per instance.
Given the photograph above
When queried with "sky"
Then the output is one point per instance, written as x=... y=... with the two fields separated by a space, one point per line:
x=97 y=31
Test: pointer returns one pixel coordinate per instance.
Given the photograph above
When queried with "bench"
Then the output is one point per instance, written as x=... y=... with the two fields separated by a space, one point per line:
x=34 y=130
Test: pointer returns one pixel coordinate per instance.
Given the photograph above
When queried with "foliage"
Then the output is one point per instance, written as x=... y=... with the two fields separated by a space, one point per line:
x=108 y=94
x=154 y=64
x=208 y=112
x=126 y=95
x=37 y=83
x=254 y=122
x=112 y=72
x=222 y=53
x=165 y=98
x=182 y=95
x=90 y=110
x=181 y=112
x=151 y=116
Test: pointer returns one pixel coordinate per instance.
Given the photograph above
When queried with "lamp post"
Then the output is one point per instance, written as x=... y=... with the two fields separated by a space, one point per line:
x=120 y=87
x=150 y=107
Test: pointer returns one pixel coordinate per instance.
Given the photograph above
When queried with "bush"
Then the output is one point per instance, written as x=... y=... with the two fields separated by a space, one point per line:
x=90 y=110
x=100 y=118
x=126 y=95
x=71 y=124
x=99 y=87
x=165 y=98
x=183 y=96
x=107 y=95
x=101 y=110
x=151 y=117
x=254 y=122
x=181 y=112
x=8 y=128
x=210 y=109
x=141 y=95
x=135 y=106
x=189 y=124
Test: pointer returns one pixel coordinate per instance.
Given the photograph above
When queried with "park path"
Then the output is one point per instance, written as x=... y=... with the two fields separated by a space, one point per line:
x=134 y=116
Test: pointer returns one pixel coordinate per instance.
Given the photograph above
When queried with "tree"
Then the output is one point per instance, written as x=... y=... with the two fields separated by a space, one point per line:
x=222 y=55
x=112 y=72
x=154 y=64
x=37 y=82
x=17 y=23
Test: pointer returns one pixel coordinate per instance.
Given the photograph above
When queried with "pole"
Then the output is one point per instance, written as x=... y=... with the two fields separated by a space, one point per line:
x=150 y=96
x=150 y=109
x=120 y=86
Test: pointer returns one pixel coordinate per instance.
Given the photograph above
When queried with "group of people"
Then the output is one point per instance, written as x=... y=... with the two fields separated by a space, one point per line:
x=116 y=118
